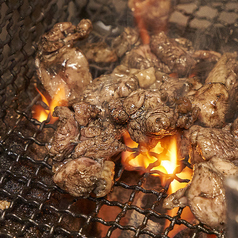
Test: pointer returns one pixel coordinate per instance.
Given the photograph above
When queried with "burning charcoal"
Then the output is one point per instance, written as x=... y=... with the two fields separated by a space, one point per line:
x=207 y=143
x=205 y=195
x=83 y=175
x=59 y=63
x=99 y=52
x=66 y=135
x=213 y=101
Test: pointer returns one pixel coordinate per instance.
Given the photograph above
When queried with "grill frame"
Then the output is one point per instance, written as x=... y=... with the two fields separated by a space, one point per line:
x=25 y=172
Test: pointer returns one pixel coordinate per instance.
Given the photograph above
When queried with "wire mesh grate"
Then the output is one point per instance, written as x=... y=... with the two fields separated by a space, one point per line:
x=31 y=204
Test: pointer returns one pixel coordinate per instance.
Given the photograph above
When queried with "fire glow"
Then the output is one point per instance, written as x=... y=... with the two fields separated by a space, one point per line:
x=59 y=99
x=167 y=165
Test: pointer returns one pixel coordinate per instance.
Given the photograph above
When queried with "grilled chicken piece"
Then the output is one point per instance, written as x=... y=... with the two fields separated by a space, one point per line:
x=205 y=194
x=213 y=101
x=59 y=63
x=66 y=136
x=141 y=58
x=99 y=52
x=108 y=87
x=82 y=176
x=147 y=115
x=226 y=72
x=100 y=140
x=207 y=143
x=169 y=52
x=126 y=41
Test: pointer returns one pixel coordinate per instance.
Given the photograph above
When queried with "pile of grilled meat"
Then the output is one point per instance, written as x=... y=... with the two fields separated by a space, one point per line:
x=151 y=94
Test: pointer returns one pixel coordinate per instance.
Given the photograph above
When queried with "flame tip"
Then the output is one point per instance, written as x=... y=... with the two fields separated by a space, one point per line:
x=59 y=99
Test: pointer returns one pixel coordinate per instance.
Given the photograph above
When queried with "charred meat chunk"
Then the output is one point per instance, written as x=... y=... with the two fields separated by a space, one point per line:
x=142 y=57
x=108 y=87
x=226 y=72
x=99 y=52
x=213 y=101
x=82 y=176
x=59 y=63
x=66 y=136
x=147 y=115
x=84 y=112
x=100 y=139
x=207 y=143
x=126 y=41
x=205 y=194
x=172 y=54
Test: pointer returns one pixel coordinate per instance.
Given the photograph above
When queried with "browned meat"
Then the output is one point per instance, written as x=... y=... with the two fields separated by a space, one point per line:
x=82 y=176
x=213 y=101
x=205 y=195
x=226 y=72
x=126 y=41
x=100 y=140
x=146 y=113
x=234 y=128
x=99 y=52
x=59 y=63
x=172 y=54
x=208 y=55
x=178 y=87
x=141 y=58
x=207 y=143
x=84 y=112
x=108 y=87
x=66 y=136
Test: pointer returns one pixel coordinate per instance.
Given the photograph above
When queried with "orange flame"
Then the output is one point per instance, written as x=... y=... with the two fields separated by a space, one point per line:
x=168 y=164
x=59 y=99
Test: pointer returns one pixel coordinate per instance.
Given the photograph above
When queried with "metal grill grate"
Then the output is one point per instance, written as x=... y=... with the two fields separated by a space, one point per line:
x=38 y=208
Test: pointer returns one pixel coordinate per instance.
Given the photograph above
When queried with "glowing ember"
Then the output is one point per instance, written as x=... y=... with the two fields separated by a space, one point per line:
x=59 y=99
x=160 y=159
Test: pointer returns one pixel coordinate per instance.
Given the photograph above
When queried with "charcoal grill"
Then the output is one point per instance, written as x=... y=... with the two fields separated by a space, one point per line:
x=36 y=207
